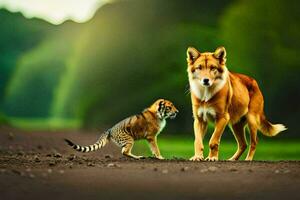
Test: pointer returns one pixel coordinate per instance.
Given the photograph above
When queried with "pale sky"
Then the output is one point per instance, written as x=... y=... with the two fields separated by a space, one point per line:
x=54 y=11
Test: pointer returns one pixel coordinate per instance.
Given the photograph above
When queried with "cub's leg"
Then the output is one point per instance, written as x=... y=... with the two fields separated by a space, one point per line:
x=154 y=147
x=252 y=124
x=126 y=151
x=200 y=128
x=126 y=142
x=238 y=130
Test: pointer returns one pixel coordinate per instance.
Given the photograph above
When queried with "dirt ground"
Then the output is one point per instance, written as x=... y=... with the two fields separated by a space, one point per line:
x=36 y=165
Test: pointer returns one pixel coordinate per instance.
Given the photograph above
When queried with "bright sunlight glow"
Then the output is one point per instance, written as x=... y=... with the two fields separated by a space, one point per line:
x=54 y=11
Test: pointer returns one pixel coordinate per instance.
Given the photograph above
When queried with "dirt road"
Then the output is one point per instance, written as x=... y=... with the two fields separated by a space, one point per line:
x=36 y=165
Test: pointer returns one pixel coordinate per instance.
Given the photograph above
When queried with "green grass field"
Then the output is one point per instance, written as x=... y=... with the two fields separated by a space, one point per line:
x=275 y=148
x=182 y=147
x=44 y=123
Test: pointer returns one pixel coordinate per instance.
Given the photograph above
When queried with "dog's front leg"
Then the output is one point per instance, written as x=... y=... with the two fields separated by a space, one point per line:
x=221 y=122
x=200 y=127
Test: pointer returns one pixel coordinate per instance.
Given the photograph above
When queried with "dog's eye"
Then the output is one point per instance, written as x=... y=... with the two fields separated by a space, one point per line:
x=213 y=69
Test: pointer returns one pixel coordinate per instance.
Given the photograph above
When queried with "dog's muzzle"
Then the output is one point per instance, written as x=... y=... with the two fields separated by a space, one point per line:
x=206 y=82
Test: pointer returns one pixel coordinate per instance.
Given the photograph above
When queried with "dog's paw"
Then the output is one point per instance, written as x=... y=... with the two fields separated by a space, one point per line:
x=159 y=157
x=197 y=158
x=233 y=158
x=211 y=158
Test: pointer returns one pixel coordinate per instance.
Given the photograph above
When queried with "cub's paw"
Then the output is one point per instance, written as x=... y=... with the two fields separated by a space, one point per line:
x=140 y=157
x=197 y=158
x=211 y=158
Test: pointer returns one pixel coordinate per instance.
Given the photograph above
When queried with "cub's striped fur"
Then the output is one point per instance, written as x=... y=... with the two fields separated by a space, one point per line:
x=146 y=125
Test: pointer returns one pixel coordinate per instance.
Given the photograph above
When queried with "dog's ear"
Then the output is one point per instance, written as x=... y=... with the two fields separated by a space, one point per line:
x=192 y=54
x=220 y=54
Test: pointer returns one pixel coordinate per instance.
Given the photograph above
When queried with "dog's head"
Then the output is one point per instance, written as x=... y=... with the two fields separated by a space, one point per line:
x=208 y=68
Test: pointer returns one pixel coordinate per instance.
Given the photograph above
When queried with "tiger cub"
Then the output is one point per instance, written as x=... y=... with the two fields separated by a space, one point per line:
x=146 y=125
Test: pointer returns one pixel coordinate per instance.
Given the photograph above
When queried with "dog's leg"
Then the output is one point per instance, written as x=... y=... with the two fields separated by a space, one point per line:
x=238 y=130
x=255 y=109
x=252 y=123
x=200 y=128
x=154 y=147
x=214 y=141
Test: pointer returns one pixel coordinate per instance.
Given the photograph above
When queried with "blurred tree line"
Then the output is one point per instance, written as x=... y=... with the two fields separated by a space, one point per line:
x=133 y=52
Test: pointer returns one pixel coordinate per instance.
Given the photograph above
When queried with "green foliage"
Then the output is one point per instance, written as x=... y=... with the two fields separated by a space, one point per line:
x=262 y=40
x=131 y=60
x=133 y=52
x=4 y=120
x=34 y=81
x=18 y=35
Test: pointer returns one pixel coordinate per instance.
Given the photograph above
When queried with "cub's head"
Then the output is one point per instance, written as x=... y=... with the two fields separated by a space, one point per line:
x=164 y=109
x=207 y=68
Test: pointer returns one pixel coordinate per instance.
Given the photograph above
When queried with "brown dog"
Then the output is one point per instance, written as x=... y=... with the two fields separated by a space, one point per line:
x=224 y=97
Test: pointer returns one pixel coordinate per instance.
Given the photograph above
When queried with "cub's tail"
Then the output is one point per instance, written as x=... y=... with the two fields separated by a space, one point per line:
x=102 y=141
x=269 y=129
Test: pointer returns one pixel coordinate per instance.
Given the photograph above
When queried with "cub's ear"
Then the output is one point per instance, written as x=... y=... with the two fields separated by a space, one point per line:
x=220 y=53
x=192 y=54
x=160 y=101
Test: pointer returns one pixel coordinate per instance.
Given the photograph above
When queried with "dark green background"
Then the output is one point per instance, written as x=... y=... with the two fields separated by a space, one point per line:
x=132 y=52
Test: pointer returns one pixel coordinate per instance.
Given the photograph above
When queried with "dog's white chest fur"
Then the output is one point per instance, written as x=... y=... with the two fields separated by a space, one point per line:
x=206 y=112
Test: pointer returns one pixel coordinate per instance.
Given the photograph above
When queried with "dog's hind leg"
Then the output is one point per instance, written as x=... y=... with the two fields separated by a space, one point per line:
x=238 y=131
x=252 y=124
x=255 y=110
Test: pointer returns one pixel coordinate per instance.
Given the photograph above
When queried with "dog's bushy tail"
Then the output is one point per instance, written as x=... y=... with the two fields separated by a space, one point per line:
x=269 y=129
